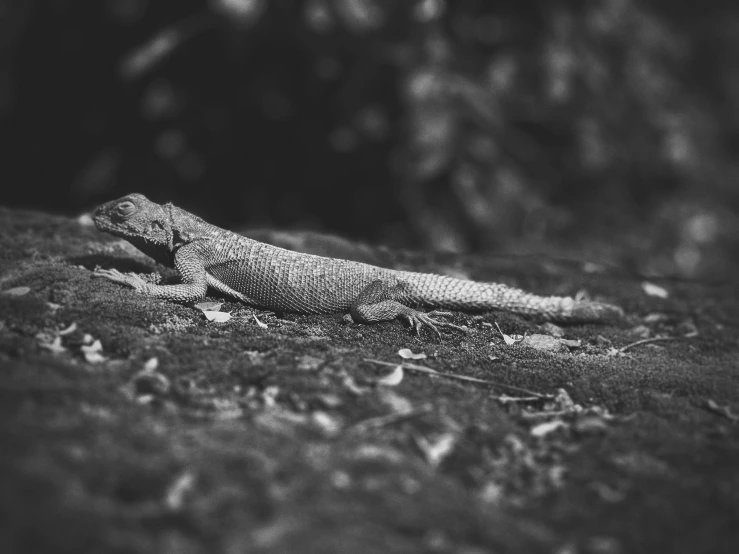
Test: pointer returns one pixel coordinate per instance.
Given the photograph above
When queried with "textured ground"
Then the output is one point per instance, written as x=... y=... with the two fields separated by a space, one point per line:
x=178 y=434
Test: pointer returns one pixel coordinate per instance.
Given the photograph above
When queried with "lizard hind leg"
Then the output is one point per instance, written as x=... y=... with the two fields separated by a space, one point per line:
x=377 y=302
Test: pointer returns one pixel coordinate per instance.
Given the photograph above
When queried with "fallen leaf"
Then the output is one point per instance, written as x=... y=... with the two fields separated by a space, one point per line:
x=436 y=451
x=93 y=352
x=179 y=490
x=262 y=325
x=350 y=384
x=328 y=424
x=151 y=364
x=218 y=317
x=94 y=357
x=398 y=404
x=150 y=383
x=54 y=347
x=590 y=424
x=564 y=402
x=721 y=410
x=407 y=354
x=641 y=331
x=69 y=330
x=509 y=339
x=17 y=291
x=505 y=399
x=392 y=379
x=329 y=401
x=547 y=427
x=547 y=343
x=269 y=396
x=654 y=290
x=655 y=317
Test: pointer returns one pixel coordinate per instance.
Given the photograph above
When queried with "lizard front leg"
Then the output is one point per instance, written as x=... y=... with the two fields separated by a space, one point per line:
x=378 y=302
x=188 y=264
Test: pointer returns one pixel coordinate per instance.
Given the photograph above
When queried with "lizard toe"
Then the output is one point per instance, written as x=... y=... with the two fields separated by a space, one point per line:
x=445 y=324
x=131 y=280
x=417 y=320
x=595 y=311
x=422 y=319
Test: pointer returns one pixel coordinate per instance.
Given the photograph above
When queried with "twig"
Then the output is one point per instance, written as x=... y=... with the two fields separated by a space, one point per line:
x=647 y=341
x=384 y=421
x=430 y=371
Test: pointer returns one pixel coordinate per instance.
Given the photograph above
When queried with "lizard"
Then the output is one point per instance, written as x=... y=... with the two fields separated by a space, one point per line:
x=277 y=279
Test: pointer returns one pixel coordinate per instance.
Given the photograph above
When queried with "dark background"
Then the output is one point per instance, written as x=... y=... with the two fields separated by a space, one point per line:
x=607 y=125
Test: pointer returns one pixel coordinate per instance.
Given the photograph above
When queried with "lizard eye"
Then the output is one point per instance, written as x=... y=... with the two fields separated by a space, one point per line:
x=125 y=208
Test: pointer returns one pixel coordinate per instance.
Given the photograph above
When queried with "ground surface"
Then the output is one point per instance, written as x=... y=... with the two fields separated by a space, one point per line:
x=178 y=434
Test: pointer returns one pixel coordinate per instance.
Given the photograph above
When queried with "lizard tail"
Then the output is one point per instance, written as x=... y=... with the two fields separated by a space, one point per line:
x=436 y=291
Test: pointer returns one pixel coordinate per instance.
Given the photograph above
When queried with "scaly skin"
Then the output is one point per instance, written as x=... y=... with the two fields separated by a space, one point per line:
x=273 y=278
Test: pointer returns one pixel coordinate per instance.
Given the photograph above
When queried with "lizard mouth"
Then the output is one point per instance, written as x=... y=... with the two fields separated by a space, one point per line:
x=100 y=221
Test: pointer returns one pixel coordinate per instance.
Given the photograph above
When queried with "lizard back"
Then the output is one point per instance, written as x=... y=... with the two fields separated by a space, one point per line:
x=275 y=278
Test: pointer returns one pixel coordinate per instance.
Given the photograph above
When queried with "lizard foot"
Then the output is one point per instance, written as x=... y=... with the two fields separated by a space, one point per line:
x=594 y=311
x=419 y=319
x=129 y=279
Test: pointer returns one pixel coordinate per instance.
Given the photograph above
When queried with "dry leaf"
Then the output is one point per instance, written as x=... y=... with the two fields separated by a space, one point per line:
x=654 y=290
x=150 y=383
x=218 y=317
x=655 y=317
x=722 y=410
x=509 y=339
x=179 y=490
x=547 y=343
x=54 y=347
x=564 y=402
x=435 y=452
x=328 y=424
x=92 y=352
x=151 y=364
x=590 y=424
x=547 y=427
x=71 y=329
x=407 y=354
x=269 y=396
x=398 y=404
x=17 y=291
x=262 y=325
x=392 y=379
x=350 y=384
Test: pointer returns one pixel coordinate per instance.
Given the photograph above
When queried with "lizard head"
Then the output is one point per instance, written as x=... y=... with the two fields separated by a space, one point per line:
x=137 y=219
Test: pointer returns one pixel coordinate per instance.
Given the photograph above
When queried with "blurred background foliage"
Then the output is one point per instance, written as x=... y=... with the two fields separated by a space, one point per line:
x=611 y=126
